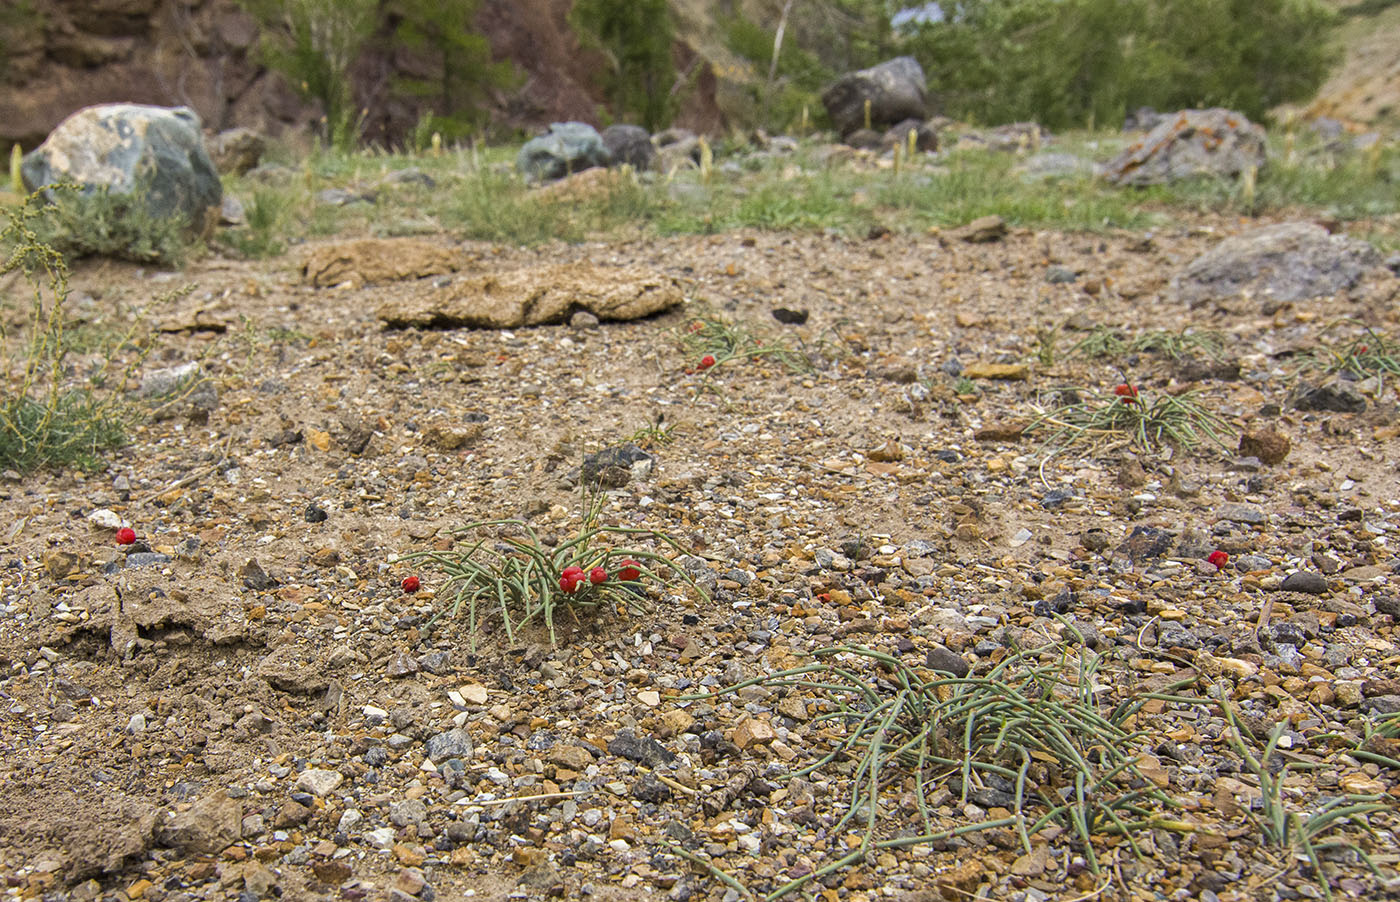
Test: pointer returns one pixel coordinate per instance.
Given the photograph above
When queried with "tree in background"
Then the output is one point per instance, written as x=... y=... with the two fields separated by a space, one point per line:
x=1076 y=62
x=444 y=31
x=636 y=37
x=313 y=44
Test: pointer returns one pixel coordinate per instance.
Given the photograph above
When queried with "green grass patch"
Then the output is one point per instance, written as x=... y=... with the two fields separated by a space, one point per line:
x=477 y=194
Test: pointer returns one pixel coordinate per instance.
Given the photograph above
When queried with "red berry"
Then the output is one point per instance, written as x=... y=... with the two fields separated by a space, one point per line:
x=573 y=572
x=629 y=571
x=597 y=575
x=411 y=584
x=1124 y=390
x=707 y=361
x=569 y=584
x=1218 y=558
x=126 y=536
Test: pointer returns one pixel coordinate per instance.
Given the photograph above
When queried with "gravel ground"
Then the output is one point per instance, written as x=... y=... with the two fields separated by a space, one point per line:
x=245 y=703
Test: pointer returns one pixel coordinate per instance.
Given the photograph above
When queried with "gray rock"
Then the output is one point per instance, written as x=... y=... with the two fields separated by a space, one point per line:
x=582 y=320
x=622 y=457
x=1335 y=396
x=146 y=559
x=1190 y=144
x=1381 y=704
x=1240 y=513
x=179 y=389
x=1145 y=543
x=408 y=811
x=232 y=212
x=925 y=137
x=154 y=154
x=567 y=147
x=945 y=660
x=642 y=749
x=1304 y=581
x=238 y=150
x=1288 y=261
x=629 y=144
x=454 y=743
x=1247 y=563
x=895 y=88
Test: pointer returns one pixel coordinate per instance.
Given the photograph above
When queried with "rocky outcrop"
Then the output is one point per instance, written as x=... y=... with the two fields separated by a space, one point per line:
x=203 y=54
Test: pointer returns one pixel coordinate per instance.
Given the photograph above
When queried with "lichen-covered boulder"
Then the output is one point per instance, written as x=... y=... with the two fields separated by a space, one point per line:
x=156 y=154
x=1190 y=144
x=568 y=147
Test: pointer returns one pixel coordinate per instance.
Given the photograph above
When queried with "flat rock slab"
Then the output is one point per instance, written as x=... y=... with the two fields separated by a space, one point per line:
x=371 y=260
x=537 y=296
x=1288 y=261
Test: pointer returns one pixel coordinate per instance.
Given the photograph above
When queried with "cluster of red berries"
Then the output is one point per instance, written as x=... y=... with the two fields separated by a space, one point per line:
x=705 y=363
x=574 y=577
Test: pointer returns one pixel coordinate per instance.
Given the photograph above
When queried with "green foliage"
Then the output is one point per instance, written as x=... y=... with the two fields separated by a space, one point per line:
x=268 y=215
x=635 y=36
x=107 y=224
x=313 y=44
x=48 y=418
x=800 y=77
x=1065 y=62
x=460 y=57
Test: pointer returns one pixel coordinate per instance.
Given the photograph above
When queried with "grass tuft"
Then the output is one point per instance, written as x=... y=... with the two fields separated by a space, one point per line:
x=515 y=578
x=726 y=340
x=1126 y=417
x=1031 y=732
x=1364 y=355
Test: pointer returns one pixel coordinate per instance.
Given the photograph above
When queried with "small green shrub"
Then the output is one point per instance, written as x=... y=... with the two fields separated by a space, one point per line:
x=268 y=216
x=48 y=417
x=516 y=579
x=106 y=224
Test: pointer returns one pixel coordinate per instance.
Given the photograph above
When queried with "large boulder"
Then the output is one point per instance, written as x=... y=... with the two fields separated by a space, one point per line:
x=153 y=153
x=1288 y=261
x=534 y=296
x=895 y=88
x=566 y=148
x=630 y=145
x=1190 y=144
